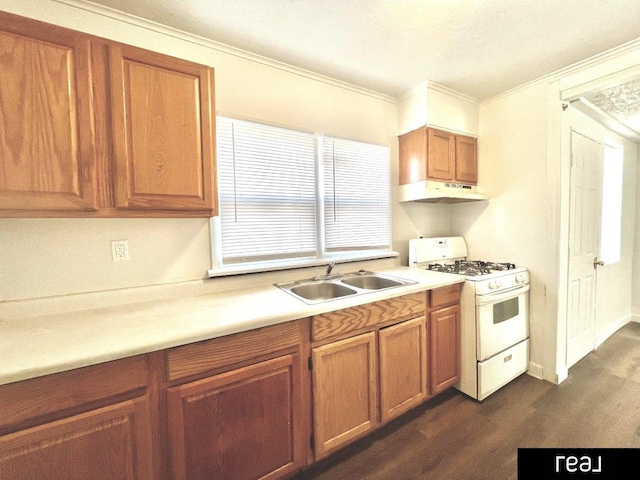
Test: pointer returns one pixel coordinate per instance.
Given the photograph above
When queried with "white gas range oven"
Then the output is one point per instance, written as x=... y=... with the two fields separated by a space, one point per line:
x=494 y=310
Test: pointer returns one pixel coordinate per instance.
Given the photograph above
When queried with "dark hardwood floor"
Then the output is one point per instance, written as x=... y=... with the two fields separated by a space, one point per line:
x=456 y=437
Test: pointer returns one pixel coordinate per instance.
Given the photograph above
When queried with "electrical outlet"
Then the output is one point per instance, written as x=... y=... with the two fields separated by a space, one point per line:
x=119 y=250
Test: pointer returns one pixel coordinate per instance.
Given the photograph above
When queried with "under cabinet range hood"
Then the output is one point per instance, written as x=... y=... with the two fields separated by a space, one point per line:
x=439 y=192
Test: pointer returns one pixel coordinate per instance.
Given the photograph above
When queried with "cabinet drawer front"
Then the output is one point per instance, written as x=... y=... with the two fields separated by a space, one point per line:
x=25 y=400
x=224 y=351
x=445 y=295
x=369 y=315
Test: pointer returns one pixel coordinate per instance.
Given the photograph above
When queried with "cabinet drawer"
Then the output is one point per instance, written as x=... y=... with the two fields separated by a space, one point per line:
x=444 y=295
x=365 y=316
x=225 y=351
x=70 y=390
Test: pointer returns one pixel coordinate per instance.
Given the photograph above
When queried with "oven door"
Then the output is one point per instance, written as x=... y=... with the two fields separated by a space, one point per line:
x=502 y=319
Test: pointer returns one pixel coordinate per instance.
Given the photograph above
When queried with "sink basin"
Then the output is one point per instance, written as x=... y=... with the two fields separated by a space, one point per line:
x=331 y=287
x=320 y=291
x=371 y=282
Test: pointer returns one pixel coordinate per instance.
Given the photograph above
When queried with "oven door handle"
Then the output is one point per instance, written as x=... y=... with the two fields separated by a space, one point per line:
x=503 y=295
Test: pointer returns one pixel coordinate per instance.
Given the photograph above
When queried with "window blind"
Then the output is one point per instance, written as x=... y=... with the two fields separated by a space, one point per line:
x=356 y=184
x=266 y=185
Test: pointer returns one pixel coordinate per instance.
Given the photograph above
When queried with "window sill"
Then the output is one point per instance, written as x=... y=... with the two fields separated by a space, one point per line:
x=289 y=264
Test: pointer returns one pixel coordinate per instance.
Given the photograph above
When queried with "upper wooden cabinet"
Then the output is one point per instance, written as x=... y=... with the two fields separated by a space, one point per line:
x=90 y=127
x=163 y=131
x=431 y=154
x=47 y=155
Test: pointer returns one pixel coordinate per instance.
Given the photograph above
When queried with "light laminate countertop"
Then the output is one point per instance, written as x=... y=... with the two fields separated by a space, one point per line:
x=41 y=345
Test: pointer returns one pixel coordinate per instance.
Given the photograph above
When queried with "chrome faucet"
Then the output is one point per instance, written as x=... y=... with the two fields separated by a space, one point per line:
x=328 y=275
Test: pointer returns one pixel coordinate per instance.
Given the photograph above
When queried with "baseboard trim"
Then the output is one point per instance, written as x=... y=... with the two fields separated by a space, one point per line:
x=535 y=370
x=613 y=327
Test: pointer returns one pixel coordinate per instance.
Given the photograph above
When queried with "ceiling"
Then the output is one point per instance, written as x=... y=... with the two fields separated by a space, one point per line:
x=479 y=48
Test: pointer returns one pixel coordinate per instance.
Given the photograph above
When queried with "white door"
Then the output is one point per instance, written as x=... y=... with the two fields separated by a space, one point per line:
x=584 y=237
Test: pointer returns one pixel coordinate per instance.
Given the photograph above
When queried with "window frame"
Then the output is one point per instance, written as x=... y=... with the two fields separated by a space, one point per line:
x=322 y=257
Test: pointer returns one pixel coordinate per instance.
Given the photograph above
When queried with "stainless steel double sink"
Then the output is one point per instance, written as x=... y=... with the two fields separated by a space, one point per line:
x=330 y=287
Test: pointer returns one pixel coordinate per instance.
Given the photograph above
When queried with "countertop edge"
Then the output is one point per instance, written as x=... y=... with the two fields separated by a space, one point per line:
x=84 y=338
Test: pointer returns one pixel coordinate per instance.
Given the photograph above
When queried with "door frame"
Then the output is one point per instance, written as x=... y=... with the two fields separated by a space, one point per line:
x=560 y=93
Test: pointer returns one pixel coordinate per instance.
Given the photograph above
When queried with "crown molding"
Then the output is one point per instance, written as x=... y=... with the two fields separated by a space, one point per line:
x=453 y=93
x=126 y=18
x=607 y=55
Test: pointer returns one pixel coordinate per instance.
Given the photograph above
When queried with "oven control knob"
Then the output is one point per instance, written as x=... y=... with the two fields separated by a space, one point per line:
x=493 y=285
x=520 y=278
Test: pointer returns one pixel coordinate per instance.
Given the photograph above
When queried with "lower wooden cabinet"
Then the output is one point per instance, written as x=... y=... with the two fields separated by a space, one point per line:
x=344 y=391
x=239 y=407
x=444 y=348
x=403 y=367
x=91 y=423
x=103 y=444
x=242 y=424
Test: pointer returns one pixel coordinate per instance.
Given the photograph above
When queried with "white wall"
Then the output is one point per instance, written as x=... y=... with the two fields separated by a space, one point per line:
x=635 y=287
x=523 y=169
x=51 y=257
x=614 y=298
x=431 y=104
x=511 y=226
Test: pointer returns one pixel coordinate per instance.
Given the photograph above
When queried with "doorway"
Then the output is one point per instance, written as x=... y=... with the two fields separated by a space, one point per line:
x=600 y=235
x=585 y=205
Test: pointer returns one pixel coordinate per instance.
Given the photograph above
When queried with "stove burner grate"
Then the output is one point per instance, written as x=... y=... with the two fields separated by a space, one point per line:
x=471 y=267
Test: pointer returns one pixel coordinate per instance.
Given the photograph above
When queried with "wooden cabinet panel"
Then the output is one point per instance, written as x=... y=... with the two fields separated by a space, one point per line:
x=200 y=357
x=163 y=129
x=413 y=156
x=94 y=128
x=442 y=296
x=344 y=391
x=24 y=402
x=243 y=424
x=466 y=159
x=356 y=319
x=431 y=154
x=441 y=155
x=47 y=151
x=444 y=348
x=403 y=367
x=108 y=443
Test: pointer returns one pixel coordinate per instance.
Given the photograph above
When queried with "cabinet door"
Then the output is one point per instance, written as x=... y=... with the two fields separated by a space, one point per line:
x=413 y=156
x=243 y=424
x=104 y=444
x=163 y=131
x=441 y=148
x=47 y=151
x=444 y=348
x=344 y=391
x=466 y=159
x=403 y=367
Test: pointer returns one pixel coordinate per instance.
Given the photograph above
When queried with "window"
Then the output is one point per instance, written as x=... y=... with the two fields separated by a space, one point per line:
x=610 y=230
x=356 y=199
x=290 y=198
